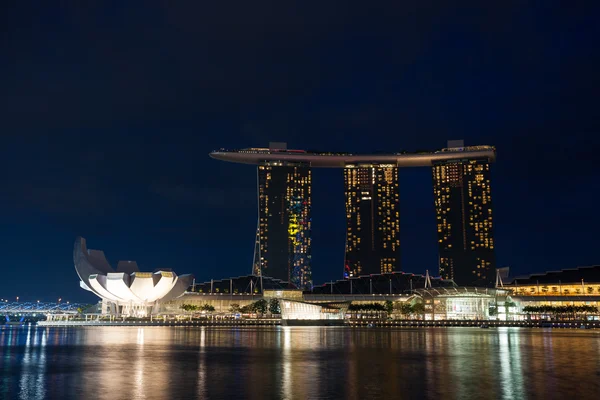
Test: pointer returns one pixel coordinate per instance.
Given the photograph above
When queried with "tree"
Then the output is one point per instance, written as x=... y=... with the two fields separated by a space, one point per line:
x=208 y=308
x=493 y=311
x=405 y=308
x=418 y=308
x=274 y=307
x=234 y=308
x=389 y=306
x=560 y=310
x=260 y=306
x=247 y=309
x=189 y=307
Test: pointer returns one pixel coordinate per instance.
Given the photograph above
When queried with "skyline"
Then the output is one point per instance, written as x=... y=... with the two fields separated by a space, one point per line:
x=108 y=114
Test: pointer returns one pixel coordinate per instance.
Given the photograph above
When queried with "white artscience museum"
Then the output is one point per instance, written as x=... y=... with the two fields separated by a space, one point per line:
x=126 y=290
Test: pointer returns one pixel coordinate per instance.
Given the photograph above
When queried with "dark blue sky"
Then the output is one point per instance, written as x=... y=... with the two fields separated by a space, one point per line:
x=108 y=113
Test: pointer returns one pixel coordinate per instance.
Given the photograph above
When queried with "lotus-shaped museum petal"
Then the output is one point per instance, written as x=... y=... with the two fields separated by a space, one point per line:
x=127 y=285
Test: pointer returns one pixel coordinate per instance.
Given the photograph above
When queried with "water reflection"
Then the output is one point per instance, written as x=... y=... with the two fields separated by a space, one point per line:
x=201 y=368
x=287 y=363
x=295 y=362
x=511 y=383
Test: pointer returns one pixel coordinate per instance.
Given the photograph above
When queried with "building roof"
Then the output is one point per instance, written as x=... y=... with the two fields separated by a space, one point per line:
x=340 y=160
x=240 y=284
x=388 y=283
x=589 y=274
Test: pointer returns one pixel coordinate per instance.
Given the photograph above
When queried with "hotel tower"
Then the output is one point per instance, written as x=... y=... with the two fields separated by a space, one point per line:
x=463 y=206
x=372 y=219
x=282 y=247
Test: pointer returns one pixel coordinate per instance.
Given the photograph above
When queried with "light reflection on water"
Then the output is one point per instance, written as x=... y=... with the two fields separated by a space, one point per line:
x=297 y=363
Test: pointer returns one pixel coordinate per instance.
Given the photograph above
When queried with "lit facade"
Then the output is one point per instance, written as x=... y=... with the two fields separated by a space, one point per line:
x=460 y=303
x=463 y=206
x=296 y=310
x=126 y=290
x=283 y=238
x=572 y=282
x=372 y=219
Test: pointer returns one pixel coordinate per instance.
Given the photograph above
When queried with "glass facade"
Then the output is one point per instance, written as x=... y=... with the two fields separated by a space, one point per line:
x=556 y=289
x=463 y=206
x=307 y=311
x=372 y=219
x=463 y=308
x=283 y=235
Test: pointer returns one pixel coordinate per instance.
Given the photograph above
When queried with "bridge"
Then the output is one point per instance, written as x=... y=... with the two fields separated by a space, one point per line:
x=27 y=308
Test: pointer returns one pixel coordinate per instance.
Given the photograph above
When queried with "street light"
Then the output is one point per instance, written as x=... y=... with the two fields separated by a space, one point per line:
x=17 y=299
x=59 y=299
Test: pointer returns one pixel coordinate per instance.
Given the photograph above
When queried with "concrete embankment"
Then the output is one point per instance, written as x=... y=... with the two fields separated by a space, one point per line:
x=349 y=323
x=248 y=322
x=467 y=323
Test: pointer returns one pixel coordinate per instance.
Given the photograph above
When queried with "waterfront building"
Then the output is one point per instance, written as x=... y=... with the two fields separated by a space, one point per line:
x=372 y=211
x=572 y=284
x=372 y=219
x=567 y=287
x=126 y=290
x=460 y=303
x=463 y=206
x=282 y=248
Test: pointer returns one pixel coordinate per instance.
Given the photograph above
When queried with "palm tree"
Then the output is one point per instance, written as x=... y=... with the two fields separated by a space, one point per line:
x=405 y=308
x=419 y=309
x=208 y=308
x=274 y=307
x=260 y=306
x=389 y=307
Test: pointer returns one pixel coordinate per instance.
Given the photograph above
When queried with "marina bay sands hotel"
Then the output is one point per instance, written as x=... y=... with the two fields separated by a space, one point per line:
x=463 y=207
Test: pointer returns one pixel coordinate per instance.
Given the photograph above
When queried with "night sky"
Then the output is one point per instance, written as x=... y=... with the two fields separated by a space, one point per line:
x=108 y=113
